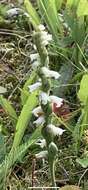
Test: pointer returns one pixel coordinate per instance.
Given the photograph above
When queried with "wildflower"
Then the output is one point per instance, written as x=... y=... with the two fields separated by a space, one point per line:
x=34 y=56
x=44 y=98
x=50 y=73
x=35 y=59
x=55 y=130
x=62 y=111
x=41 y=143
x=13 y=12
x=41 y=27
x=45 y=38
x=26 y=14
x=34 y=86
x=56 y=100
x=37 y=111
x=42 y=154
x=40 y=121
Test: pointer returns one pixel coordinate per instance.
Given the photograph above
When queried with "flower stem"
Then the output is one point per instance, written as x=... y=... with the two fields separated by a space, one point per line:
x=52 y=171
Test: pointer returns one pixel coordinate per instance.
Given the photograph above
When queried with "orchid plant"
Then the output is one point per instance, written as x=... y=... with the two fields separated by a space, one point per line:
x=43 y=112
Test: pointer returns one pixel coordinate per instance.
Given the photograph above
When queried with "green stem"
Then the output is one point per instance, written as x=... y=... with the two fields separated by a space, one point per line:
x=52 y=171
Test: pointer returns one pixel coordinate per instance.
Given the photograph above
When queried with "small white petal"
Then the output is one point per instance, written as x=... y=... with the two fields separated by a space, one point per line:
x=44 y=98
x=40 y=121
x=35 y=64
x=38 y=110
x=55 y=130
x=56 y=100
x=34 y=56
x=13 y=12
x=34 y=46
x=41 y=27
x=34 y=86
x=26 y=14
x=41 y=143
x=45 y=37
x=50 y=73
x=42 y=154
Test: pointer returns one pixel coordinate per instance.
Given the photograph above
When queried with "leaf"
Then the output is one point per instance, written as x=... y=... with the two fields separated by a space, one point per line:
x=82 y=8
x=32 y=13
x=72 y=3
x=6 y=105
x=50 y=15
x=59 y=4
x=16 y=154
x=60 y=86
x=2 y=148
x=25 y=91
x=25 y=117
x=83 y=91
x=2 y=90
x=83 y=162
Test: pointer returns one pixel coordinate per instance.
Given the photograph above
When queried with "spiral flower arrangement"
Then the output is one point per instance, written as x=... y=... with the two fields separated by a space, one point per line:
x=43 y=113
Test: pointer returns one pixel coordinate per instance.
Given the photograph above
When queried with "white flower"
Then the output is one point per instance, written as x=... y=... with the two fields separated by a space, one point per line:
x=42 y=154
x=35 y=64
x=50 y=73
x=55 y=130
x=34 y=86
x=56 y=100
x=44 y=98
x=35 y=59
x=34 y=56
x=45 y=38
x=26 y=14
x=41 y=27
x=37 y=111
x=13 y=12
x=41 y=143
x=40 y=121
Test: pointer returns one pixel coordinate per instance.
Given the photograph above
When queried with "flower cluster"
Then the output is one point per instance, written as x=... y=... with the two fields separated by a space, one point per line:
x=45 y=98
x=40 y=62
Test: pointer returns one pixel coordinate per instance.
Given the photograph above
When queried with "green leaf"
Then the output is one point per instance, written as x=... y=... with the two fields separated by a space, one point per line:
x=6 y=105
x=50 y=15
x=2 y=90
x=34 y=18
x=15 y=154
x=25 y=117
x=58 y=4
x=83 y=91
x=83 y=162
x=82 y=8
x=60 y=86
x=2 y=148
x=25 y=91
x=72 y=3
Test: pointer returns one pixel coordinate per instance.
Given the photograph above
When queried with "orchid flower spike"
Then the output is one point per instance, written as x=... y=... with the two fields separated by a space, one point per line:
x=50 y=73
x=56 y=131
x=58 y=101
x=37 y=111
x=34 y=86
x=40 y=121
